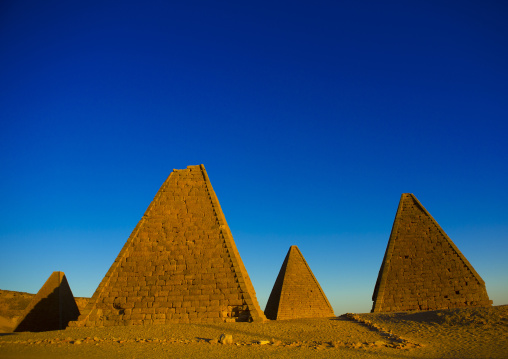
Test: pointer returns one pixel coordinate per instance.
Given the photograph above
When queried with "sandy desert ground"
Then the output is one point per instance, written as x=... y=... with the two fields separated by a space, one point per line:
x=459 y=333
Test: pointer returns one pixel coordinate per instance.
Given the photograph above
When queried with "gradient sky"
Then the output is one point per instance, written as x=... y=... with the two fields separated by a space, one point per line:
x=311 y=118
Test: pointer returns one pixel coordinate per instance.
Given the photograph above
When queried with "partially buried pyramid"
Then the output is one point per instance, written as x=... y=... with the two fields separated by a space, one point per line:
x=179 y=265
x=422 y=268
x=52 y=308
x=296 y=292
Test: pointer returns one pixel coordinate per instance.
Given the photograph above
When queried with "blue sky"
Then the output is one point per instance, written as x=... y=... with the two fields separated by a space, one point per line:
x=310 y=118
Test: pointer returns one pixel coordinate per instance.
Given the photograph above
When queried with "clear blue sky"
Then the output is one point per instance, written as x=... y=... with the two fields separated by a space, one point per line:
x=311 y=119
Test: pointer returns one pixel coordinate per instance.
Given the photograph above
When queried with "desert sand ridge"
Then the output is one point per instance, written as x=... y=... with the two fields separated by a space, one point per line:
x=422 y=268
x=473 y=332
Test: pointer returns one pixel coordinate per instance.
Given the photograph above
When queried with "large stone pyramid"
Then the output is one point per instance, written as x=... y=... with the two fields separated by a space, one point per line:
x=296 y=292
x=179 y=265
x=422 y=268
x=52 y=308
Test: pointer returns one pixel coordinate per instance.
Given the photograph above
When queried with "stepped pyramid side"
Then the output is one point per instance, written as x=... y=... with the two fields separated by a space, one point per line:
x=422 y=268
x=296 y=292
x=179 y=265
x=52 y=308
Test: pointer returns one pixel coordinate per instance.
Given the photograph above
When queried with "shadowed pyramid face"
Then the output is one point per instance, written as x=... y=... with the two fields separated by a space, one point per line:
x=180 y=264
x=52 y=308
x=296 y=292
x=422 y=268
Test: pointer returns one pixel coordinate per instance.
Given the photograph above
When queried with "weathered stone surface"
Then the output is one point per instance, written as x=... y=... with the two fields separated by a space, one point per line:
x=179 y=265
x=296 y=292
x=226 y=339
x=422 y=268
x=52 y=308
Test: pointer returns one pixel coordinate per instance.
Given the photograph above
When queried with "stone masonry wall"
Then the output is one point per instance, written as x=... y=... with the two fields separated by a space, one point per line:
x=179 y=265
x=423 y=269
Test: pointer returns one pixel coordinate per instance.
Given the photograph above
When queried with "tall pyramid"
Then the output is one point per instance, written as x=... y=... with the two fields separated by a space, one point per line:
x=179 y=265
x=422 y=268
x=296 y=292
x=52 y=308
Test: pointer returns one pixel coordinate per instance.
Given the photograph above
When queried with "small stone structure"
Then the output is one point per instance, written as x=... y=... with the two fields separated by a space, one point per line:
x=52 y=308
x=179 y=265
x=422 y=268
x=296 y=292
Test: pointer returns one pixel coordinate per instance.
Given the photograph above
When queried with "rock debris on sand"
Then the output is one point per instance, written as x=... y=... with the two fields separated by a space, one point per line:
x=471 y=333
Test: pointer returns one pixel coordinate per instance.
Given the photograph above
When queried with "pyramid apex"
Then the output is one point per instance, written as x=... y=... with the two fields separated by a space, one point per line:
x=59 y=274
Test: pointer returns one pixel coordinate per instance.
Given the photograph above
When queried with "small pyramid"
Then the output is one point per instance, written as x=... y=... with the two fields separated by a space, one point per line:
x=296 y=292
x=52 y=308
x=179 y=265
x=422 y=268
